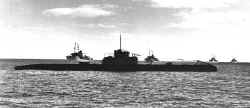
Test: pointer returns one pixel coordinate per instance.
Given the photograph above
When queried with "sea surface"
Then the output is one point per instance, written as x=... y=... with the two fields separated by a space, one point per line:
x=227 y=88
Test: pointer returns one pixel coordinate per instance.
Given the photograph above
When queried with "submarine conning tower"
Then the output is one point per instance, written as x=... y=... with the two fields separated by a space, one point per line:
x=121 y=57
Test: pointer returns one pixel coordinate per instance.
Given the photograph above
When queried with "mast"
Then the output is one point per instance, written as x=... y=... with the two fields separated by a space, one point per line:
x=78 y=49
x=149 y=52
x=120 y=41
x=75 y=47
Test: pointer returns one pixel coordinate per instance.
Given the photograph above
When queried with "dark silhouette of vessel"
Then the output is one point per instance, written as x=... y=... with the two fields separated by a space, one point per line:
x=151 y=58
x=213 y=59
x=122 y=61
x=78 y=56
x=234 y=60
x=121 y=57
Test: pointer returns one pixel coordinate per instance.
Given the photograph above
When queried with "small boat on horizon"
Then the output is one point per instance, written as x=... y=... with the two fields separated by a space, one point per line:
x=78 y=56
x=151 y=58
x=213 y=59
x=234 y=60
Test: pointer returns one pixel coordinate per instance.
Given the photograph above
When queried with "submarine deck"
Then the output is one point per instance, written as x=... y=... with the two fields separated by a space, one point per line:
x=102 y=67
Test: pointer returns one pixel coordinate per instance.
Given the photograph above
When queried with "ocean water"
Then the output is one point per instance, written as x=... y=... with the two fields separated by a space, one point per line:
x=227 y=88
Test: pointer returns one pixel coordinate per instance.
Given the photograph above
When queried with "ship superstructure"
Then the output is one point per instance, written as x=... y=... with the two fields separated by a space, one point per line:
x=121 y=57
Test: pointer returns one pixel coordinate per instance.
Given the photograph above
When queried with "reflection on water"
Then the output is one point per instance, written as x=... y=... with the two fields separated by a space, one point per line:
x=63 y=89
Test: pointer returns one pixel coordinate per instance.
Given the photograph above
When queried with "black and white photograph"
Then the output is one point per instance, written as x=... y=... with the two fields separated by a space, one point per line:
x=124 y=53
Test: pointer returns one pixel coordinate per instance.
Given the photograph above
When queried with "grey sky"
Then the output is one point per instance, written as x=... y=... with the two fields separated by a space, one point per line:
x=155 y=24
x=127 y=15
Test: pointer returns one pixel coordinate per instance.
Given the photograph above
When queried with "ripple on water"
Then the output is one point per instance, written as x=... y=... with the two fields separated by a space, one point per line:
x=61 y=89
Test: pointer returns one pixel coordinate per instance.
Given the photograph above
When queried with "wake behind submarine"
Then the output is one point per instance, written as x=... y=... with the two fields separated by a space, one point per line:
x=121 y=61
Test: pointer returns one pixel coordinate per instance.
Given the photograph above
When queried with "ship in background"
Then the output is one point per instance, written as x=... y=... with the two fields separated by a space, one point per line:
x=234 y=60
x=213 y=59
x=151 y=58
x=78 y=57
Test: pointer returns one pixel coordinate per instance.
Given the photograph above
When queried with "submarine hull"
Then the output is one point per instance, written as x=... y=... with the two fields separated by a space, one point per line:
x=118 y=68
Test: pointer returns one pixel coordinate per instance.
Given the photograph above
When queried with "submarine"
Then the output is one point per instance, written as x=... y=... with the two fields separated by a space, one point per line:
x=121 y=61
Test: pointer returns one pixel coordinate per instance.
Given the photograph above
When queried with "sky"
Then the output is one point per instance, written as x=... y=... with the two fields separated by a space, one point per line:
x=172 y=29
